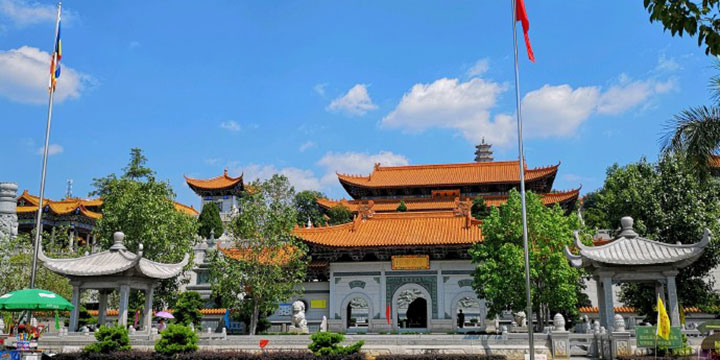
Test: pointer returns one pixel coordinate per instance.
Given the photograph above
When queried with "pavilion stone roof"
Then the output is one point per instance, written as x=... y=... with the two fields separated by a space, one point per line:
x=446 y=175
x=630 y=249
x=113 y=261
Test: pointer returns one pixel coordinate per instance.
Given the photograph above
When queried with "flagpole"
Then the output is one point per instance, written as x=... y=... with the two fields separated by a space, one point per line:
x=522 y=184
x=38 y=222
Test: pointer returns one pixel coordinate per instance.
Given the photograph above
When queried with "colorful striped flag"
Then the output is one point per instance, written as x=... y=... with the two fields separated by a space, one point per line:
x=55 y=61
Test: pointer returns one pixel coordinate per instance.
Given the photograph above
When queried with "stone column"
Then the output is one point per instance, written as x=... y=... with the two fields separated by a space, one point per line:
x=601 y=300
x=75 y=314
x=147 y=312
x=609 y=306
x=71 y=239
x=660 y=291
x=123 y=308
x=672 y=304
x=102 y=308
x=441 y=296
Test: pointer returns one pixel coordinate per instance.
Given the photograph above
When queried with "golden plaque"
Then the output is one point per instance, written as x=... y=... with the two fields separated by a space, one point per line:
x=411 y=262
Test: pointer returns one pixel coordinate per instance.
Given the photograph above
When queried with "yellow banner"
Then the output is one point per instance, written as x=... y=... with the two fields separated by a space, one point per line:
x=411 y=262
x=318 y=304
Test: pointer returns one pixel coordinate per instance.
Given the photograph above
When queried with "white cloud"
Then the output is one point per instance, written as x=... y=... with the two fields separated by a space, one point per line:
x=23 y=13
x=320 y=88
x=306 y=146
x=667 y=64
x=356 y=102
x=480 y=67
x=356 y=163
x=551 y=111
x=53 y=149
x=301 y=179
x=451 y=104
x=230 y=125
x=24 y=74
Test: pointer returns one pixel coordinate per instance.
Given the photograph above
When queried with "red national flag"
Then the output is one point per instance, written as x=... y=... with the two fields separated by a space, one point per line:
x=387 y=315
x=521 y=15
x=263 y=343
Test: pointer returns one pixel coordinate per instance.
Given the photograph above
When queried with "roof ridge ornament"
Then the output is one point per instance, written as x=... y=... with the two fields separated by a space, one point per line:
x=626 y=223
x=118 y=241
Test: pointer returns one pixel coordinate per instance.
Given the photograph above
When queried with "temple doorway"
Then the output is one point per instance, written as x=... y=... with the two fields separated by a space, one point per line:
x=357 y=315
x=417 y=314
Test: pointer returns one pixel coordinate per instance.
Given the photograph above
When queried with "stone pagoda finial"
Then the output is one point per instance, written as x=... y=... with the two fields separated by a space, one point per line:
x=627 y=231
x=118 y=241
x=483 y=152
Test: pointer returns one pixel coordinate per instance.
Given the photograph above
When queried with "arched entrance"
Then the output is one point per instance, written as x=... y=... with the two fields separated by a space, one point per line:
x=412 y=308
x=469 y=313
x=357 y=316
x=416 y=315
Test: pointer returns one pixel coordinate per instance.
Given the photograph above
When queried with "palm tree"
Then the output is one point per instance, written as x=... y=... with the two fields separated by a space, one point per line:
x=695 y=132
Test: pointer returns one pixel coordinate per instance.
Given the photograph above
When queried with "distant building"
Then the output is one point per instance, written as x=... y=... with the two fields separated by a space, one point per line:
x=483 y=152
x=222 y=190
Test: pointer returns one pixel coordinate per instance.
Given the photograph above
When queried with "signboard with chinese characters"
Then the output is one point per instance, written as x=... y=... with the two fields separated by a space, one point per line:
x=318 y=304
x=411 y=262
x=646 y=337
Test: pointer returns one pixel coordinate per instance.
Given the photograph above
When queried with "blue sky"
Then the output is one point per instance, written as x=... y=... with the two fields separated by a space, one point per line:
x=307 y=88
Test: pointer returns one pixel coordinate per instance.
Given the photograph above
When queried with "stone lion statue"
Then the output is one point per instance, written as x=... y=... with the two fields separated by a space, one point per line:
x=299 y=324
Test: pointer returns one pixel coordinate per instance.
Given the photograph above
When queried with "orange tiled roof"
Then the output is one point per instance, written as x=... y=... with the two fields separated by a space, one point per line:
x=189 y=210
x=629 y=309
x=714 y=161
x=279 y=257
x=397 y=229
x=447 y=174
x=69 y=205
x=440 y=203
x=219 y=182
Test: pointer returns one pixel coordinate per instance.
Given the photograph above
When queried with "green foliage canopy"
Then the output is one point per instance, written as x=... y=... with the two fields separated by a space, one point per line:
x=479 y=210
x=209 y=221
x=187 y=308
x=339 y=214
x=500 y=273
x=271 y=261
x=308 y=209
x=143 y=209
x=689 y=16
x=402 y=207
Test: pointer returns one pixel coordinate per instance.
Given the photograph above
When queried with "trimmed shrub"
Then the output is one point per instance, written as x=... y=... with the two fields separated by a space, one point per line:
x=109 y=339
x=176 y=339
x=326 y=343
x=441 y=357
x=402 y=207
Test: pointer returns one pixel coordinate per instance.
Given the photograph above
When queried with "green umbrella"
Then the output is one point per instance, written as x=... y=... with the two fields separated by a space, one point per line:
x=34 y=299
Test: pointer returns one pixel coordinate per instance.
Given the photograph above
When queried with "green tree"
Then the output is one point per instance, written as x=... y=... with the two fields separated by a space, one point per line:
x=16 y=263
x=693 y=17
x=500 y=273
x=187 y=308
x=143 y=209
x=401 y=207
x=209 y=221
x=339 y=214
x=479 y=210
x=268 y=262
x=308 y=208
x=668 y=204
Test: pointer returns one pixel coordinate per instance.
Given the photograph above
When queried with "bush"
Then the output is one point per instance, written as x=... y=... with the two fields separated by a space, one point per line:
x=109 y=339
x=326 y=343
x=187 y=308
x=441 y=357
x=177 y=339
